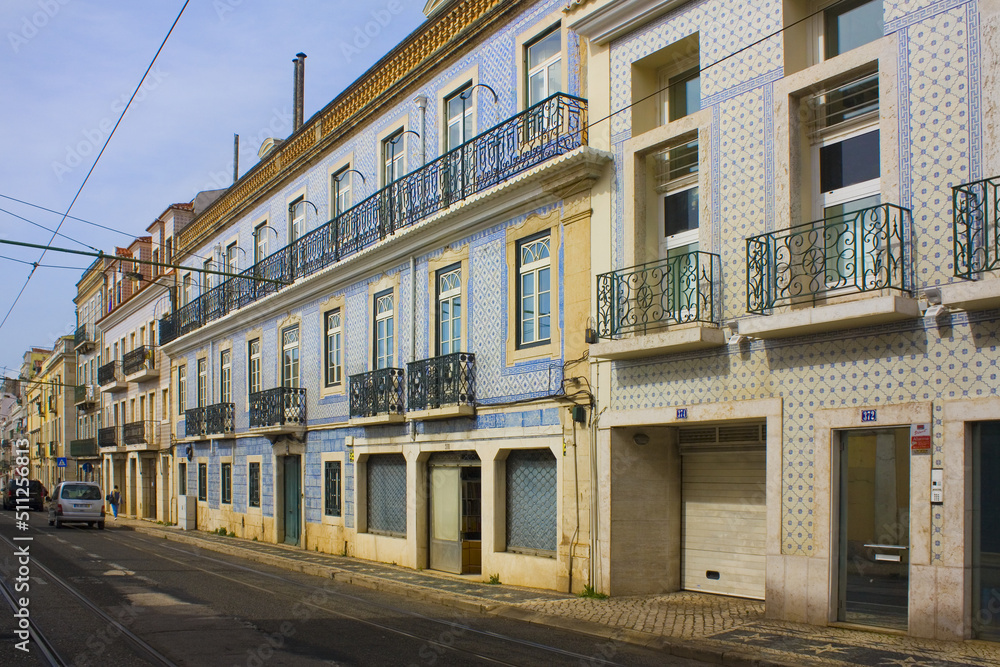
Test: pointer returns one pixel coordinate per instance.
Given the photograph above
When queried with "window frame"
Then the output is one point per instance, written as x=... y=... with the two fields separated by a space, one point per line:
x=203 y=382
x=467 y=123
x=182 y=480
x=448 y=296
x=674 y=186
x=338 y=492
x=287 y=378
x=390 y=160
x=828 y=26
x=296 y=223
x=202 y=482
x=535 y=268
x=544 y=66
x=253 y=367
x=181 y=389
x=226 y=483
x=333 y=374
x=226 y=376
x=379 y=319
x=260 y=242
x=253 y=499
x=341 y=195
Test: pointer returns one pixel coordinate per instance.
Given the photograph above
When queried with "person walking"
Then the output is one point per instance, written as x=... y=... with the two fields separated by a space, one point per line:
x=116 y=499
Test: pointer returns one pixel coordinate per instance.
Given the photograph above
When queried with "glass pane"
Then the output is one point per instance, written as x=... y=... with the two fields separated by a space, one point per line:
x=847 y=162
x=851 y=101
x=850 y=28
x=986 y=527
x=680 y=212
x=555 y=78
x=536 y=88
x=543 y=49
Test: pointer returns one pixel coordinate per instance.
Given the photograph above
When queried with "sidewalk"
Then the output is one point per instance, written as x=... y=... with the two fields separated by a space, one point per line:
x=711 y=628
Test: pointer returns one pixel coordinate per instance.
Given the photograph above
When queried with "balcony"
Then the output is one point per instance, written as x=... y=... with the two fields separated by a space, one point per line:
x=138 y=365
x=85 y=338
x=221 y=418
x=547 y=130
x=82 y=449
x=278 y=410
x=441 y=387
x=194 y=423
x=140 y=433
x=837 y=273
x=976 y=227
x=661 y=307
x=377 y=397
x=109 y=436
x=110 y=378
x=84 y=396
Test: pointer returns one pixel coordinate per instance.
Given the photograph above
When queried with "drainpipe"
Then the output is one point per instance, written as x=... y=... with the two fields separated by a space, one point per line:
x=421 y=101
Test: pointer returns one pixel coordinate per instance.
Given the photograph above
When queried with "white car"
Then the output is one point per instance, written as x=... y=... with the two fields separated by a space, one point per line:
x=77 y=502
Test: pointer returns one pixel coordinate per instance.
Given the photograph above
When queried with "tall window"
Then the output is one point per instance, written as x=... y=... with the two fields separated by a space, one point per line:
x=206 y=277
x=384 y=335
x=449 y=284
x=677 y=185
x=296 y=219
x=226 y=483
x=393 y=156
x=181 y=388
x=253 y=484
x=849 y=25
x=260 y=242
x=340 y=191
x=202 y=481
x=331 y=488
x=226 y=377
x=458 y=115
x=186 y=289
x=232 y=261
x=202 y=383
x=544 y=65
x=253 y=366
x=333 y=347
x=290 y=357
x=534 y=291
x=182 y=478
x=683 y=93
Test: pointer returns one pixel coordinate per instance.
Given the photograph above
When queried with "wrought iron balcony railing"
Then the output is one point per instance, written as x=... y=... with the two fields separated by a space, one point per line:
x=446 y=380
x=976 y=210
x=548 y=129
x=85 y=336
x=84 y=394
x=220 y=418
x=676 y=290
x=194 y=422
x=108 y=373
x=109 y=436
x=280 y=406
x=83 y=448
x=862 y=251
x=377 y=393
x=139 y=433
x=139 y=359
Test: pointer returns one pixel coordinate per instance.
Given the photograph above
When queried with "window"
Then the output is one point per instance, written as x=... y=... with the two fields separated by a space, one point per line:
x=677 y=187
x=186 y=287
x=253 y=366
x=384 y=330
x=683 y=93
x=333 y=343
x=393 y=156
x=226 y=377
x=206 y=277
x=296 y=219
x=182 y=478
x=202 y=481
x=849 y=25
x=544 y=65
x=253 y=484
x=232 y=261
x=340 y=189
x=331 y=488
x=181 y=388
x=168 y=255
x=260 y=242
x=534 y=291
x=227 y=484
x=449 y=285
x=290 y=357
x=202 y=383
x=458 y=111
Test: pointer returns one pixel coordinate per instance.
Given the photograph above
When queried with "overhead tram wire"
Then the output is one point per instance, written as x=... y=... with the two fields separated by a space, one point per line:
x=96 y=160
x=86 y=222
x=32 y=222
x=42 y=266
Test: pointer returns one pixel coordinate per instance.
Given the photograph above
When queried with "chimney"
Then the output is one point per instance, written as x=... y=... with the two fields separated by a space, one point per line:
x=299 y=93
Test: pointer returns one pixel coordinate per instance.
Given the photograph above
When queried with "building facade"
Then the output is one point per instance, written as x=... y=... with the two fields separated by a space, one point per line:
x=51 y=418
x=796 y=298
x=90 y=300
x=399 y=371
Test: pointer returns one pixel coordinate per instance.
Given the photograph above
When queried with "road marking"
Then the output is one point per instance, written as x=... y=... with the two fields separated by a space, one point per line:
x=77 y=547
x=94 y=556
x=39 y=580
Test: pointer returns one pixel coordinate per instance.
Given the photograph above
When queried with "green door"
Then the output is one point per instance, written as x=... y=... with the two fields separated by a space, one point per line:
x=293 y=509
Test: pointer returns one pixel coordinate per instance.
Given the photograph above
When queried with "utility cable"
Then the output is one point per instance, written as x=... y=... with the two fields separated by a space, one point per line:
x=42 y=266
x=48 y=229
x=96 y=160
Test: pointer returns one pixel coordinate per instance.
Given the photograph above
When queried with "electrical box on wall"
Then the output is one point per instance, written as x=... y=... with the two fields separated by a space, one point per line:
x=937 y=486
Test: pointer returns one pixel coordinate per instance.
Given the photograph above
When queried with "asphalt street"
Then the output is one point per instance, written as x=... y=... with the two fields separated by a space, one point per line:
x=193 y=607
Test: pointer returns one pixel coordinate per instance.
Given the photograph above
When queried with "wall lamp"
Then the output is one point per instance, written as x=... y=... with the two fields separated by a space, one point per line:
x=935 y=308
x=736 y=338
x=640 y=439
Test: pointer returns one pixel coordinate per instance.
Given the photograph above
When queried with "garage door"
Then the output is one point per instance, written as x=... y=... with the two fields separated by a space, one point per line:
x=724 y=523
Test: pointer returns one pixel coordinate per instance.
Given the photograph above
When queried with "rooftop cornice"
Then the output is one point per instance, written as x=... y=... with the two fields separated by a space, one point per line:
x=436 y=39
x=617 y=18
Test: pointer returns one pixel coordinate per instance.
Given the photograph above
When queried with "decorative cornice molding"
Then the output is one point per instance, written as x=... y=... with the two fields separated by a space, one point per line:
x=618 y=18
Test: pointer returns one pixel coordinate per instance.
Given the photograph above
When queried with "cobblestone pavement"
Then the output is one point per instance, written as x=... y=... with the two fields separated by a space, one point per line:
x=711 y=628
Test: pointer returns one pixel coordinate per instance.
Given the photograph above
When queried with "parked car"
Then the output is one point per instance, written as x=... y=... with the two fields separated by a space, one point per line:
x=77 y=502
x=36 y=495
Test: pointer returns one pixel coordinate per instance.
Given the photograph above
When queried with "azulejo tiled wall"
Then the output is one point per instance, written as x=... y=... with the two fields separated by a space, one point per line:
x=940 y=145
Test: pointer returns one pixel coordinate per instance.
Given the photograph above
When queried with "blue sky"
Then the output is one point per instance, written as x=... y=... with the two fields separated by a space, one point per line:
x=67 y=68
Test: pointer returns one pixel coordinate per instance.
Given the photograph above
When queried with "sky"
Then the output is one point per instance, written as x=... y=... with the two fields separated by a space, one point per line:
x=67 y=69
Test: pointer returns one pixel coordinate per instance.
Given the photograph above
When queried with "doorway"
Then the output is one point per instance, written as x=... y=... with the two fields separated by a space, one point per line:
x=986 y=531
x=292 y=500
x=874 y=527
x=455 y=490
x=130 y=500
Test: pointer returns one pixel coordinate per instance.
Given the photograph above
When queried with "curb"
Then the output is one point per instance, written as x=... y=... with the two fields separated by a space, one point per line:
x=681 y=648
